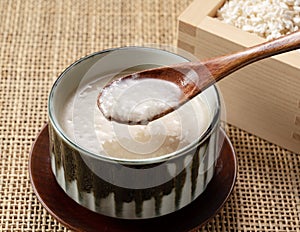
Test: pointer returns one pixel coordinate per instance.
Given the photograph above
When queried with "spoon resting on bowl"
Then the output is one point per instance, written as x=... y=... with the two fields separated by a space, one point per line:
x=142 y=97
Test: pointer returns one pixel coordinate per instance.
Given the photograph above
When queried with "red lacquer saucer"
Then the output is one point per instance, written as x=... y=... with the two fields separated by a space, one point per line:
x=78 y=218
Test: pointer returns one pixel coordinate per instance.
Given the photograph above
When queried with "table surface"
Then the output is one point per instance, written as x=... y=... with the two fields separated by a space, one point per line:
x=39 y=39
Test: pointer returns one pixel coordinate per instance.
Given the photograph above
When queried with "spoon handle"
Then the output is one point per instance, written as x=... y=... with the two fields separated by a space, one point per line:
x=222 y=66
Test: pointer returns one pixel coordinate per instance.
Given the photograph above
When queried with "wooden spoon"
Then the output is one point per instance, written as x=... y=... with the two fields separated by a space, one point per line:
x=194 y=77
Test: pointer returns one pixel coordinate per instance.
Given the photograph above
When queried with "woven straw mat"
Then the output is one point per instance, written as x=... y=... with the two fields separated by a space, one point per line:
x=39 y=39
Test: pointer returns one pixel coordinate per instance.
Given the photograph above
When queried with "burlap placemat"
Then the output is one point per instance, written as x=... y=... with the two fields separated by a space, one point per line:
x=38 y=39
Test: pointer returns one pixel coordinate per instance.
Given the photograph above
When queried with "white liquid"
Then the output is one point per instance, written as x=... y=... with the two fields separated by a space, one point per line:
x=85 y=124
x=138 y=100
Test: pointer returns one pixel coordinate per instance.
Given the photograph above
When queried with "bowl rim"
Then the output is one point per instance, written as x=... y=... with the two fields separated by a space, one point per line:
x=152 y=160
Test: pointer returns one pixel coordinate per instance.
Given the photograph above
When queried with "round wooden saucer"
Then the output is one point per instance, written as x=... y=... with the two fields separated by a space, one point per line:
x=78 y=218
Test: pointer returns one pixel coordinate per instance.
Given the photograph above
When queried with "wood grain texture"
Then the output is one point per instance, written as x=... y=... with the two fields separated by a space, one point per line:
x=262 y=98
x=78 y=218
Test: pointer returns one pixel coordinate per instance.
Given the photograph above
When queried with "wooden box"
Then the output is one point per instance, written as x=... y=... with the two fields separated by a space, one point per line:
x=262 y=98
